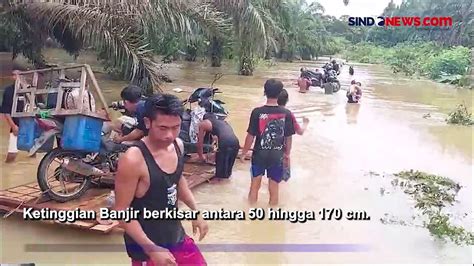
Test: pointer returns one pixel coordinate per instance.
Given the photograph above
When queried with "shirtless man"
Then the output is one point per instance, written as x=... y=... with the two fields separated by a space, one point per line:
x=354 y=93
x=150 y=176
x=303 y=81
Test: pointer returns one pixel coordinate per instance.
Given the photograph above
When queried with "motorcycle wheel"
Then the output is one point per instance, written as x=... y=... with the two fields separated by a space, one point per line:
x=64 y=175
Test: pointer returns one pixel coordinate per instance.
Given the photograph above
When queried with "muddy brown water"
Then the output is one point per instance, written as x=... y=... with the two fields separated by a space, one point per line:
x=386 y=133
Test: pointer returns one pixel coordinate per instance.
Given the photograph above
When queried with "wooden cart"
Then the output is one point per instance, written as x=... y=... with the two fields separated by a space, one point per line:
x=28 y=88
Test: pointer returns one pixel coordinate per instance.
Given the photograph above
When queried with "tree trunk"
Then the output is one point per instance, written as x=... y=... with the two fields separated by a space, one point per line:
x=191 y=52
x=268 y=54
x=306 y=54
x=472 y=68
x=216 y=52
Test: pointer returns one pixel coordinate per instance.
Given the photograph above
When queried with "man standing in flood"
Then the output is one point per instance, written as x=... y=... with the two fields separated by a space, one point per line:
x=150 y=176
x=272 y=126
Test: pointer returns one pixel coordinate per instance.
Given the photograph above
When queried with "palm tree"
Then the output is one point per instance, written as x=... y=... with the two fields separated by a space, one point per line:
x=303 y=32
x=253 y=30
x=120 y=29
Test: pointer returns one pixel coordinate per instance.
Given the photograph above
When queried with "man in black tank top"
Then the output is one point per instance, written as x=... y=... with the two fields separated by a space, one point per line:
x=149 y=177
x=228 y=144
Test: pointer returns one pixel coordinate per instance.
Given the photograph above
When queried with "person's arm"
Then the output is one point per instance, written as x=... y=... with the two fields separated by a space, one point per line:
x=11 y=124
x=6 y=109
x=136 y=134
x=187 y=197
x=247 y=144
x=289 y=132
x=288 y=141
x=252 y=131
x=305 y=125
x=126 y=182
x=298 y=129
x=204 y=127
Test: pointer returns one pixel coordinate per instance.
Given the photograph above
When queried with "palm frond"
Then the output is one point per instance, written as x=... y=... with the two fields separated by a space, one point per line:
x=104 y=29
x=121 y=29
x=249 y=24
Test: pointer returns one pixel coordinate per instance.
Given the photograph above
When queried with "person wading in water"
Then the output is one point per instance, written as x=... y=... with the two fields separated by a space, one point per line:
x=228 y=145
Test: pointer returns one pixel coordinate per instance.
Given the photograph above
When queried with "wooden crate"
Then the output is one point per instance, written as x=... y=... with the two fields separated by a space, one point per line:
x=30 y=90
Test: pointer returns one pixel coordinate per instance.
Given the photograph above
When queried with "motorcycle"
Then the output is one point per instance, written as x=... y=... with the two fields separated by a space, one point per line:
x=77 y=171
x=316 y=78
x=205 y=98
x=330 y=82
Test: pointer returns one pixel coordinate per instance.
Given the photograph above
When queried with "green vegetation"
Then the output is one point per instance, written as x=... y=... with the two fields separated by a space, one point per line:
x=128 y=35
x=441 y=54
x=447 y=65
x=460 y=116
x=432 y=194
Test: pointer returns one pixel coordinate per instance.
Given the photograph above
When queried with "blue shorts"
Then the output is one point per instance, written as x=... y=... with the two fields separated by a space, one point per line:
x=275 y=172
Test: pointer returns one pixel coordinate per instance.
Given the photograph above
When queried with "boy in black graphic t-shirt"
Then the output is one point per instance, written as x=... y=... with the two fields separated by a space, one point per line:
x=272 y=126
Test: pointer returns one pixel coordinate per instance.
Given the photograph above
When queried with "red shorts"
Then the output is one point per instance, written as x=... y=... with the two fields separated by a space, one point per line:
x=185 y=254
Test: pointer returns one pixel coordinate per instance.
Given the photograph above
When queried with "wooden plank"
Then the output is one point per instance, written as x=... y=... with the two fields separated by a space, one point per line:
x=15 y=97
x=23 y=190
x=34 y=185
x=52 y=69
x=24 y=114
x=8 y=208
x=28 y=90
x=33 y=93
x=9 y=202
x=32 y=191
x=15 y=189
x=97 y=88
x=82 y=90
x=47 y=91
x=80 y=224
x=36 y=194
x=63 y=112
x=105 y=228
x=26 y=198
x=11 y=194
x=93 y=199
x=59 y=99
x=70 y=84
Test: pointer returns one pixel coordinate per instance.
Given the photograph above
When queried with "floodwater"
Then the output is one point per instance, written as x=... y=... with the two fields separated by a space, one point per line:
x=386 y=133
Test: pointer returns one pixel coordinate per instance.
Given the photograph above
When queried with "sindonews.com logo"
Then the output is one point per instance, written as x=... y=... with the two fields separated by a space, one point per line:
x=401 y=21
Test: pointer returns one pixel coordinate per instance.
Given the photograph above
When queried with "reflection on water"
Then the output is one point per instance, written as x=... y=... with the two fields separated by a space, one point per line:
x=386 y=132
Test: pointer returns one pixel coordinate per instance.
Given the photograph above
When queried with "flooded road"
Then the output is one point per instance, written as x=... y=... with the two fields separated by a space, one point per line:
x=386 y=133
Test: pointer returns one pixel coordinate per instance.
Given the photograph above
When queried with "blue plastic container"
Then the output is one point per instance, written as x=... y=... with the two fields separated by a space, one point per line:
x=28 y=131
x=82 y=133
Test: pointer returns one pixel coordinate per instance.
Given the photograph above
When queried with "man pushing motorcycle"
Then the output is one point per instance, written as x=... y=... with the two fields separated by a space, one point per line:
x=134 y=103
